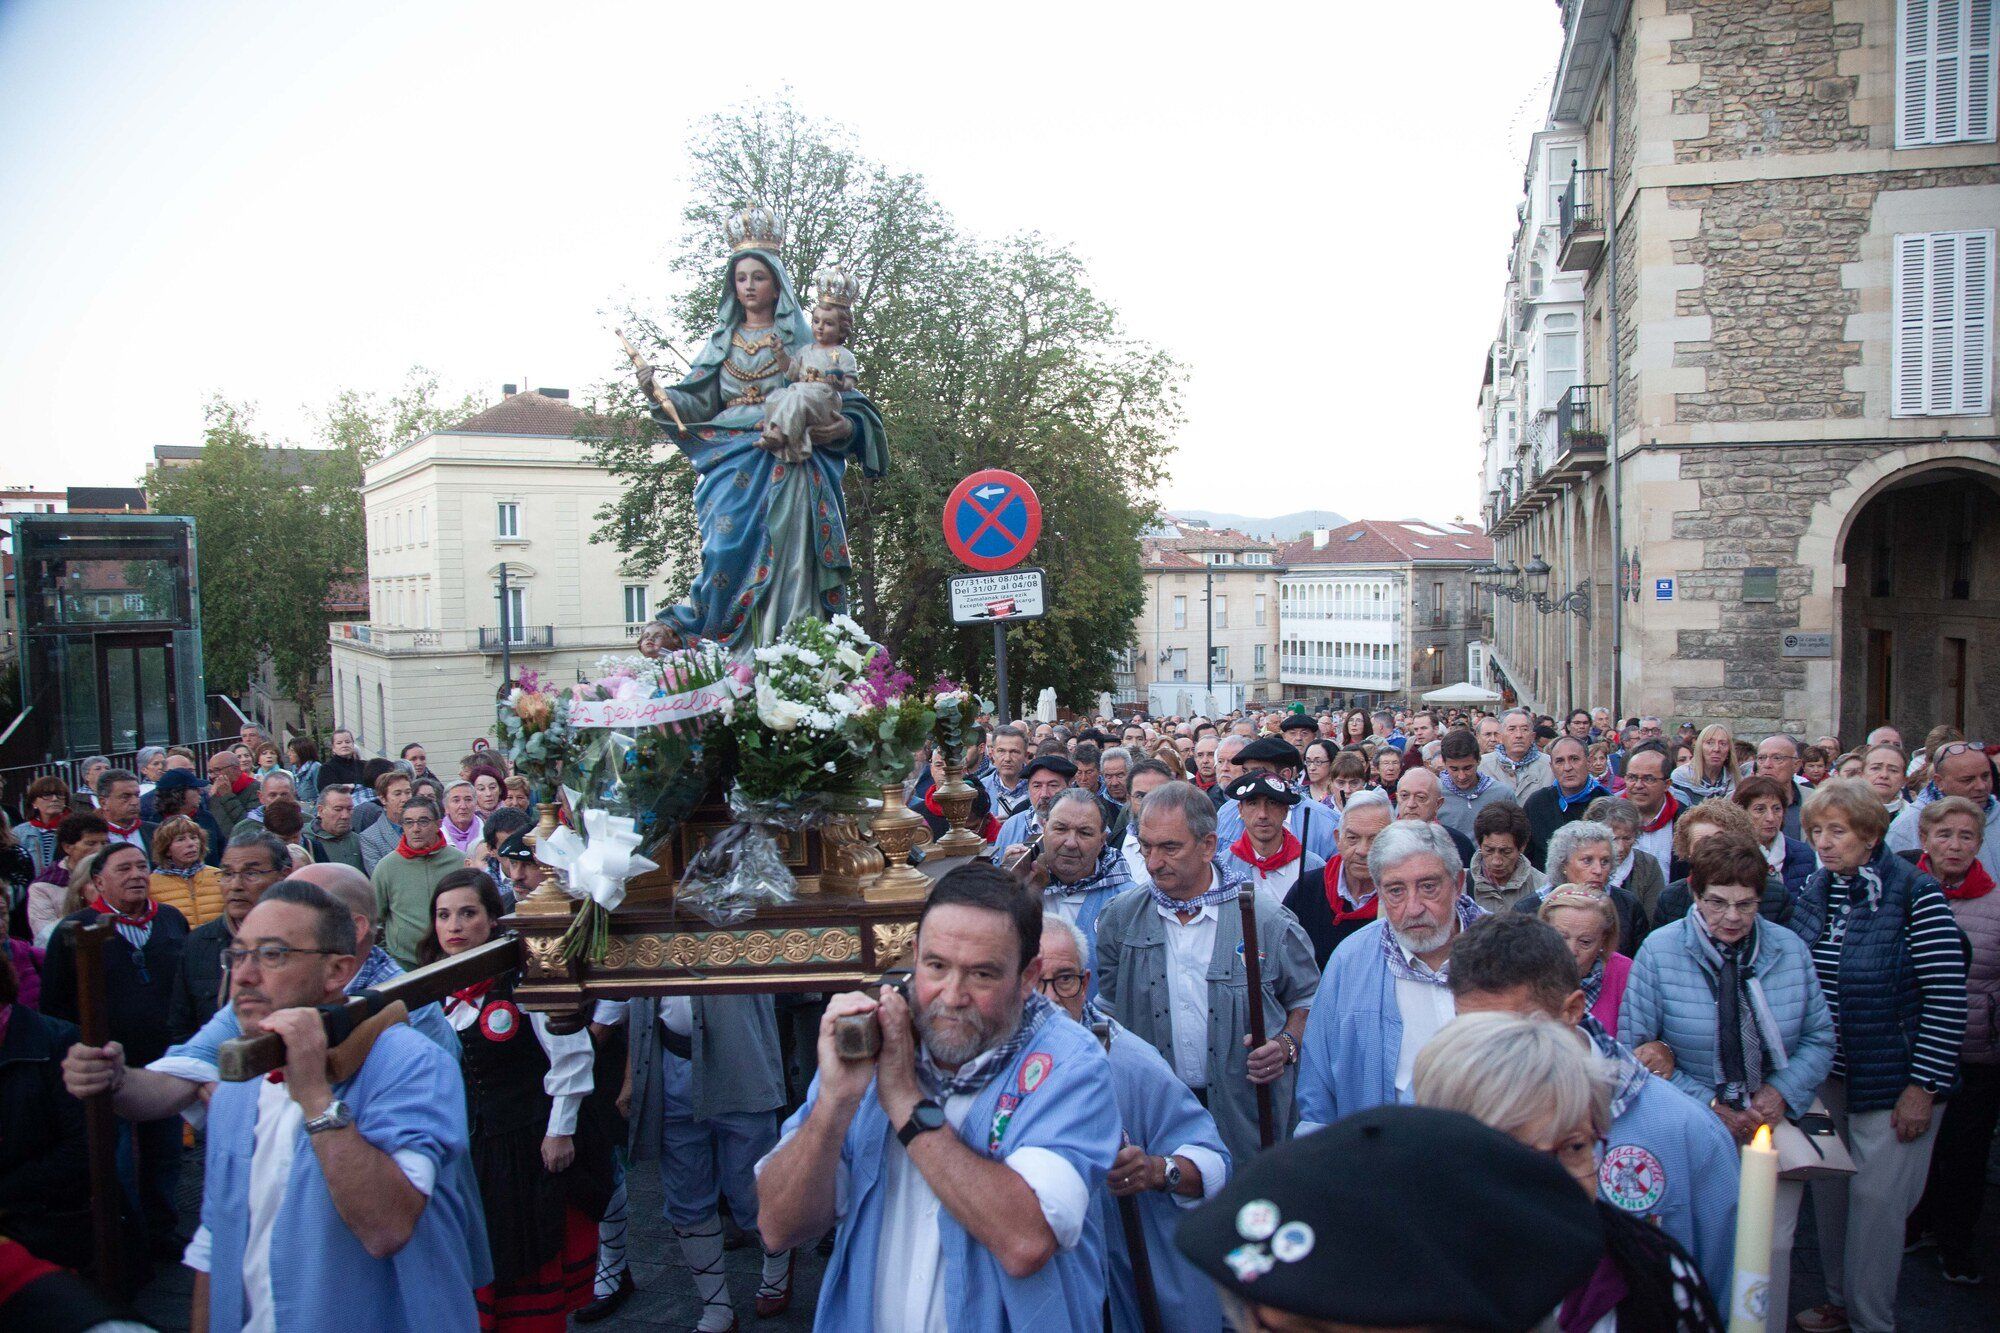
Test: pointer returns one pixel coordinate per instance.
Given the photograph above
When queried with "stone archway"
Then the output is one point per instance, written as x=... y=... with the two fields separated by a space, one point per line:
x=1907 y=580
x=1603 y=600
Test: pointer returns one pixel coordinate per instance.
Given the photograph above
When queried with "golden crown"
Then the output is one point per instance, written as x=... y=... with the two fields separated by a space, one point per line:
x=836 y=287
x=755 y=228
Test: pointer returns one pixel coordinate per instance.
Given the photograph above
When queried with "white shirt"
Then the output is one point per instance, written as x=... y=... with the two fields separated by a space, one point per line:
x=1774 y=853
x=280 y=1130
x=1425 y=1009
x=1135 y=860
x=1277 y=883
x=569 y=1079
x=1190 y=948
x=1659 y=844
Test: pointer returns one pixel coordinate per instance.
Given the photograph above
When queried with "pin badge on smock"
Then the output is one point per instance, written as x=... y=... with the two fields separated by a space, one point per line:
x=1249 y=1262
x=1257 y=1219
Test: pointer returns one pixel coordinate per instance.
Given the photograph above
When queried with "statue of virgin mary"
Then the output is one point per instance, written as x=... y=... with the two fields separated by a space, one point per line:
x=773 y=533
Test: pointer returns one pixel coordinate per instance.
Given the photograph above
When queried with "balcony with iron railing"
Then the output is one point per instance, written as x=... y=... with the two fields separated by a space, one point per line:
x=1559 y=449
x=1580 y=220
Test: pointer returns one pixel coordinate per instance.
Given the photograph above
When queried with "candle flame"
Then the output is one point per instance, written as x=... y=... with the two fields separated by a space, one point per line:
x=1761 y=1140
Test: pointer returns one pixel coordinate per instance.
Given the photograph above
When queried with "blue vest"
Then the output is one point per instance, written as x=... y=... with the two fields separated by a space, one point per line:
x=1070 y=1110
x=1877 y=1000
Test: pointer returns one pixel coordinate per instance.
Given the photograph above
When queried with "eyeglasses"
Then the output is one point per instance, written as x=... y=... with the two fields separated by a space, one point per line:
x=226 y=875
x=1063 y=985
x=1722 y=907
x=270 y=957
x=1957 y=747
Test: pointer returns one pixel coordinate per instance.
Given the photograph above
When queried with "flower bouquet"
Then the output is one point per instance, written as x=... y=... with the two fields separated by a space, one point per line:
x=533 y=729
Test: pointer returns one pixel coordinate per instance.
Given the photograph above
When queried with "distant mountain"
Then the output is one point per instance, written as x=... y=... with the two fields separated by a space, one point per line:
x=1285 y=527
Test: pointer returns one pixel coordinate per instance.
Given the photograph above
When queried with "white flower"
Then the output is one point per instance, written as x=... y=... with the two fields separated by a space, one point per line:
x=810 y=658
x=830 y=766
x=842 y=704
x=777 y=713
x=846 y=625
x=850 y=659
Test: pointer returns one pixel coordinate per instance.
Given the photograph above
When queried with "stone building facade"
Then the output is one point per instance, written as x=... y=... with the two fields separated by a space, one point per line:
x=1783 y=217
x=1195 y=573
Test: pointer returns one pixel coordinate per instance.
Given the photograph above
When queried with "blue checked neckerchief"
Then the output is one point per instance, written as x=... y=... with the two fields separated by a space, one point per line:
x=1228 y=880
x=1931 y=793
x=1416 y=969
x=1630 y=1074
x=977 y=1072
x=1479 y=787
x=1110 y=872
x=376 y=968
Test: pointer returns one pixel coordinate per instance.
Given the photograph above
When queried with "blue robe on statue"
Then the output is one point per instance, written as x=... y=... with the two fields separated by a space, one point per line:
x=1071 y=1111
x=1162 y=1116
x=773 y=534
x=408 y=1097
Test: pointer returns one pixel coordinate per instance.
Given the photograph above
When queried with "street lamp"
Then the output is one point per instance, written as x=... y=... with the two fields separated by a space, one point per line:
x=1538 y=570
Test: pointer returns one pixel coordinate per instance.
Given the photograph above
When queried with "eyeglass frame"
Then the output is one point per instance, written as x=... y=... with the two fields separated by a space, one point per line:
x=1077 y=982
x=282 y=956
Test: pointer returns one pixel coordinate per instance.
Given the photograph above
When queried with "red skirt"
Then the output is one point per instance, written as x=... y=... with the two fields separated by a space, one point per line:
x=542 y=1301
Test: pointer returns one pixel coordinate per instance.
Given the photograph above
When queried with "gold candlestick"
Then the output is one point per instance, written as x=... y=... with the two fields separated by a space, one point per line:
x=955 y=798
x=896 y=829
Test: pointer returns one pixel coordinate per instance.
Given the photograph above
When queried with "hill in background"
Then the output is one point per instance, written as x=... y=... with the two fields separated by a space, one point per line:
x=1285 y=527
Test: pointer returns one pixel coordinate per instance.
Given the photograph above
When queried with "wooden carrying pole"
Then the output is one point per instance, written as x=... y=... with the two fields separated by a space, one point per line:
x=1135 y=1236
x=100 y=1120
x=1253 y=967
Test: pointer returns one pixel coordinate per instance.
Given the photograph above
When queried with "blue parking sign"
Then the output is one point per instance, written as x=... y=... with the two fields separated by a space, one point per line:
x=1663 y=590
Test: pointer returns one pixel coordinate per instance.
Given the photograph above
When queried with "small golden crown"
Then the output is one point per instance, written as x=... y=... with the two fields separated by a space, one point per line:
x=836 y=287
x=755 y=228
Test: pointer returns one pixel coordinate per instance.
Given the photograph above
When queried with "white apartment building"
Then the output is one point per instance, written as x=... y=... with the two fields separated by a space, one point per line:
x=1377 y=610
x=512 y=486
x=1194 y=575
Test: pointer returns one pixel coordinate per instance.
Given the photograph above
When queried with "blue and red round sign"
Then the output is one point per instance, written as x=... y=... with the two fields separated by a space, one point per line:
x=991 y=520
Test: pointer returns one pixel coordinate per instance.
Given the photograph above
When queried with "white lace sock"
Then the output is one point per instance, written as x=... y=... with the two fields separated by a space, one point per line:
x=776 y=1279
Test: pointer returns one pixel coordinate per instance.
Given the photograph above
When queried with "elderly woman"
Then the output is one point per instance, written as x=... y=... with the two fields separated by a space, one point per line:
x=1884 y=767
x=1886 y=947
x=1638 y=875
x=1534 y=1081
x=1951 y=829
x=1694 y=827
x=1588 y=923
x=1734 y=1003
x=1501 y=874
x=1710 y=769
x=1790 y=859
x=1582 y=855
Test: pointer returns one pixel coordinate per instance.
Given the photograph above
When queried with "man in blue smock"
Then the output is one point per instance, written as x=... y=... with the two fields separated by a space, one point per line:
x=1172 y=1159
x=1667 y=1156
x=962 y=1160
x=1077 y=873
x=1316 y=826
x=1005 y=785
x=331 y=1206
x=1045 y=777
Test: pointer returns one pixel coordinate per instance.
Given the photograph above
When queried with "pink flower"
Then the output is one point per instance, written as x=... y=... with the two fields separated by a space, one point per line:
x=579 y=693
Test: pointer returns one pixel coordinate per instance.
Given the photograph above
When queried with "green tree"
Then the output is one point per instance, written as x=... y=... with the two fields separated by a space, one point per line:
x=979 y=354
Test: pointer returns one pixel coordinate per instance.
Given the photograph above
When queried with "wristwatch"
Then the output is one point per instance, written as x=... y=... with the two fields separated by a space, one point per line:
x=337 y=1115
x=925 y=1116
x=1173 y=1175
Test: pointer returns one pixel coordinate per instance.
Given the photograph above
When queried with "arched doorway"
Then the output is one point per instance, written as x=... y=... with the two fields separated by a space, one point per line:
x=1920 y=612
x=1603 y=601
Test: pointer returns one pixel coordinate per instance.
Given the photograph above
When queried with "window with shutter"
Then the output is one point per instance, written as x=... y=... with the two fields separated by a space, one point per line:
x=1941 y=363
x=1945 y=72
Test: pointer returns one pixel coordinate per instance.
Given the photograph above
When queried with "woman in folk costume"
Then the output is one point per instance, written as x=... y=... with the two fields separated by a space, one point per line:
x=773 y=533
x=543 y=1180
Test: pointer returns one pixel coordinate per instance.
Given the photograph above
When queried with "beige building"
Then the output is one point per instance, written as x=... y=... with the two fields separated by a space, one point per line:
x=512 y=486
x=1195 y=574
x=1741 y=400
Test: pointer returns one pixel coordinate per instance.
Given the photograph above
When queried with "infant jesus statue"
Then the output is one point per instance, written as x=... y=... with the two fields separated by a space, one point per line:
x=818 y=375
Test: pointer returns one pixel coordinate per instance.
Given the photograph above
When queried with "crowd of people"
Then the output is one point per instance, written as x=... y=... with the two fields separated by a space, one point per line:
x=1229 y=1007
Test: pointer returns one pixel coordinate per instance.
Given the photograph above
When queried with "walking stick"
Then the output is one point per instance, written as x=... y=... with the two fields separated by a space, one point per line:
x=1135 y=1237
x=100 y=1121
x=1253 y=967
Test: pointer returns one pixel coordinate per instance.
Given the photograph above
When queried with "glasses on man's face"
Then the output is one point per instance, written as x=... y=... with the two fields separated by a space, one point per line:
x=270 y=957
x=1063 y=985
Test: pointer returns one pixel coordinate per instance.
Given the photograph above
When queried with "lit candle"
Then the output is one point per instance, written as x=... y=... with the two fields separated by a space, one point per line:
x=1756 y=1198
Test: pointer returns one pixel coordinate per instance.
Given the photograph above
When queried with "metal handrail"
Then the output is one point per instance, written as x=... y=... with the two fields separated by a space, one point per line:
x=1580 y=207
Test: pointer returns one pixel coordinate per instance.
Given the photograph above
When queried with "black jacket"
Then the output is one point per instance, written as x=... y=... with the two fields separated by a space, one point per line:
x=137 y=983
x=44 y=1168
x=1546 y=815
x=1308 y=902
x=197 y=990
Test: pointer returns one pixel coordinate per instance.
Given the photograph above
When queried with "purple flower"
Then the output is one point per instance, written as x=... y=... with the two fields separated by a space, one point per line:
x=530 y=680
x=884 y=682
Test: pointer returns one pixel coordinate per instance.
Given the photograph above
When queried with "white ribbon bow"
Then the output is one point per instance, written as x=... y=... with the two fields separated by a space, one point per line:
x=597 y=867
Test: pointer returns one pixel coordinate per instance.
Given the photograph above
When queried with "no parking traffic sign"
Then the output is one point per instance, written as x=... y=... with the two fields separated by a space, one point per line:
x=991 y=520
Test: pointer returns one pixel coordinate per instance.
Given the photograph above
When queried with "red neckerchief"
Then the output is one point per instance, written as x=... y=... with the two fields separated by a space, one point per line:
x=470 y=995
x=1341 y=911
x=1288 y=851
x=19 y=1268
x=931 y=803
x=1976 y=884
x=123 y=919
x=124 y=831
x=1668 y=809
x=409 y=853
x=238 y=783
x=49 y=827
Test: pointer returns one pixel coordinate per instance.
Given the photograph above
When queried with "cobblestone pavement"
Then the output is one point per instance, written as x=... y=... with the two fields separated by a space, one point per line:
x=665 y=1298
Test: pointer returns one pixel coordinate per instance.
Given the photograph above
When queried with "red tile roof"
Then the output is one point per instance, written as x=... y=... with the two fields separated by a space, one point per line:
x=527 y=413
x=1196 y=537
x=1392 y=542
x=1157 y=554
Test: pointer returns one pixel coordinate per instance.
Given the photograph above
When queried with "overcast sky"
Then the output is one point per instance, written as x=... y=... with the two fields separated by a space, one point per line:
x=1309 y=205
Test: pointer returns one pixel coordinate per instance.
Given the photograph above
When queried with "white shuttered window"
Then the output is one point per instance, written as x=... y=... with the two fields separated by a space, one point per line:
x=1945 y=72
x=1942 y=360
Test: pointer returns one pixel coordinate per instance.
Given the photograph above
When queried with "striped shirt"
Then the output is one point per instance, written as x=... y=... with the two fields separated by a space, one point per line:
x=1939 y=961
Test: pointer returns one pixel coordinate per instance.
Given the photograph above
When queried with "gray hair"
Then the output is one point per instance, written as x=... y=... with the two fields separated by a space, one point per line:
x=1077 y=796
x=1408 y=838
x=1059 y=925
x=1190 y=800
x=147 y=753
x=278 y=773
x=333 y=789
x=1787 y=738
x=1615 y=811
x=270 y=844
x=1115 y=752
x=1565 y=840
x=1366 y=798
x=1522 y=711
x=1514 y=1074
x=111 y=777
x=1233 y=742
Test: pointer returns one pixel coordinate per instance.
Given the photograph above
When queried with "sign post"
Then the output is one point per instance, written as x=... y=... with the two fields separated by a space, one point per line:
x=991 y=521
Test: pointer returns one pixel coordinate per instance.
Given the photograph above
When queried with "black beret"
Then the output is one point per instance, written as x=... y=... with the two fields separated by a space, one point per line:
x=177 y=779
x=1299 y=722
x=1053 y=763
x=1400 y=1216
x=516 y=847
x=1272 y=750
x=1262 y=787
